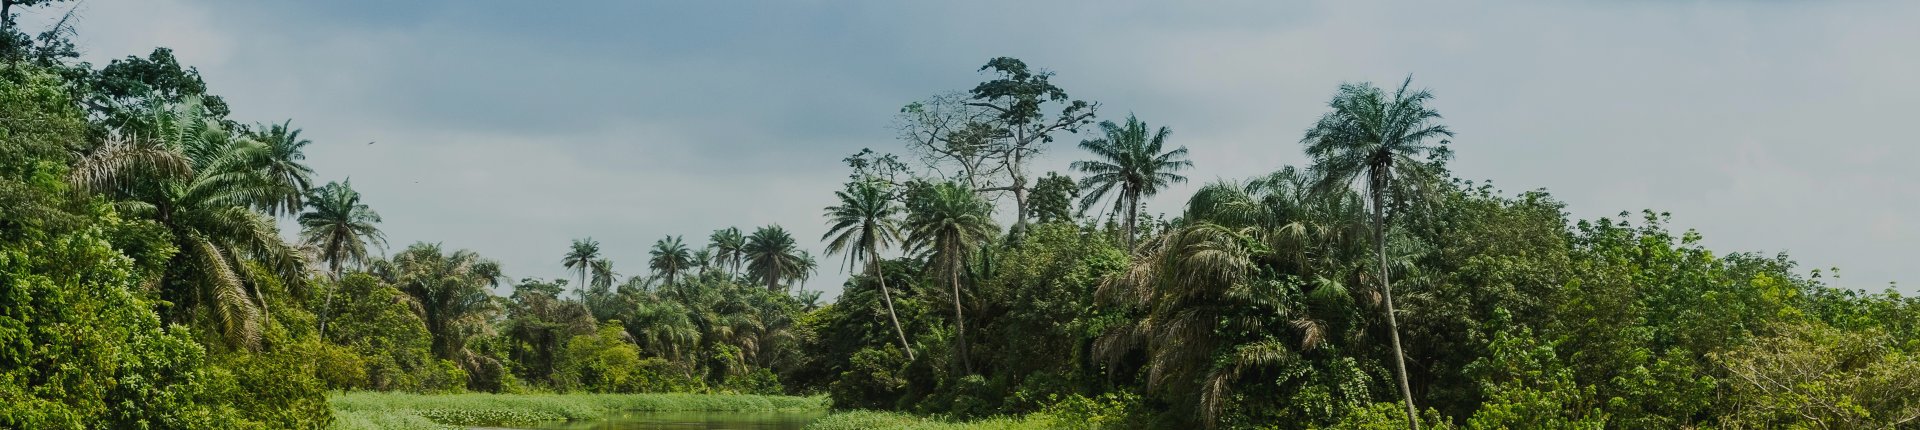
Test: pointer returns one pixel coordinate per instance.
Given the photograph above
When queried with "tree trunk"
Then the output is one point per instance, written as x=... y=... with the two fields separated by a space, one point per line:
x=874 y=262
x=959 y=319
x=1393 y=324
x=326 y=310
x=1133 y=213
x=1019 y=200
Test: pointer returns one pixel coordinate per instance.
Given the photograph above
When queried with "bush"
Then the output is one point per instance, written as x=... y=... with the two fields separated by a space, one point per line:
x=78 y=347
x=758 y=381
x=873 y=380
x=601 y=362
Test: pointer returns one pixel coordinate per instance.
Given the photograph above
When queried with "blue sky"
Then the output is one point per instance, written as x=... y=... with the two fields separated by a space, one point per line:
x=511 y=128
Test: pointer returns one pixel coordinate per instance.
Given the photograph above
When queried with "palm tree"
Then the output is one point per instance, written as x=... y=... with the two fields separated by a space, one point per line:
x=663 y=328
x=771 y=256
x=598 y=293
x=581 y=258
x=670 y=257
x=340 y=227
x=191 y=176
x=729 y=248
x=1218 y=269
x=947 y=223
x=1130 y=167
x=702 y=261
x=451 y=292
x=810 y=300
x=865 y=221
x=1380 y=142
x=281 y=151
x=803 y=269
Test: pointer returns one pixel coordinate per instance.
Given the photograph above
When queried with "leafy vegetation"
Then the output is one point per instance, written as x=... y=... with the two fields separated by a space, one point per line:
x=369 y=410
x=144 y=283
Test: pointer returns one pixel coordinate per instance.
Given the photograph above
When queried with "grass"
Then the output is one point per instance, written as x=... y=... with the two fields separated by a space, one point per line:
x=370 y=410
x=863 y=420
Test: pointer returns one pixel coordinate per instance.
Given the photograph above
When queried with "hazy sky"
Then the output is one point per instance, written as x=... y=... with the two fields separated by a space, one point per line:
x=511 y=128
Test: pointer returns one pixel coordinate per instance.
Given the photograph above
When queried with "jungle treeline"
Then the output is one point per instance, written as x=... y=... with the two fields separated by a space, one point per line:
x=145 y=283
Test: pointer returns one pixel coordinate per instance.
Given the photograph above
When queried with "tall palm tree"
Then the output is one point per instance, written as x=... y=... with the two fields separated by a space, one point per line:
x=281 y=152
x=729 y=248
x=451 y=292
x=866 y=220
x=1386 y=144
x=581 y=257
x=670 y=257
x=772 y=256
x=947 y=223
x=340 y=227
x=190 y=175
x=1130 y=167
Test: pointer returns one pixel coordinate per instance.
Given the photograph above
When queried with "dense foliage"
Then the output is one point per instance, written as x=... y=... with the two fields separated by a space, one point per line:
x=144 y=283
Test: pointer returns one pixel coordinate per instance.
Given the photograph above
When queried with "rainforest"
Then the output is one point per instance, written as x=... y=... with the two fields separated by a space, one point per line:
x=168 y=261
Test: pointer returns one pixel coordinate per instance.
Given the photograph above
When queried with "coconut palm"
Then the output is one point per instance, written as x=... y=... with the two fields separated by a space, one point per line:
x=581 y=257
x=772 y=256
x=866 y=220
x=190 y=175
x=1130 y=167
x=670 y=258
x=947 y=223
x=728 y=248
x=281 y=151
x=451 y=292
x=1387 y=145
x=340 y=227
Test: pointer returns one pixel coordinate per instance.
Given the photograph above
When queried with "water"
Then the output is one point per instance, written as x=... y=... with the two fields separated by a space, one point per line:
x=696 y=421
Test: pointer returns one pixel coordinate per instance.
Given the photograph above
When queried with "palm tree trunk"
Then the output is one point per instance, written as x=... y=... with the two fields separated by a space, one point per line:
x=1393 y=324
x=326 y=310
x=874 y=262
x=959 y=319
x=1133 y=212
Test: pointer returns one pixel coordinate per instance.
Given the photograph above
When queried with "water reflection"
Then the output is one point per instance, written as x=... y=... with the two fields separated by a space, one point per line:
x=696 y=421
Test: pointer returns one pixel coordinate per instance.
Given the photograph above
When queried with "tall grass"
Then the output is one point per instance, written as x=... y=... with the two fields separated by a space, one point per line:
x=865 y=420
x=371 y=410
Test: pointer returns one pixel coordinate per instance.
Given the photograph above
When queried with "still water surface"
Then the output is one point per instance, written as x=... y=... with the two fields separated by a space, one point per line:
x=695 y=421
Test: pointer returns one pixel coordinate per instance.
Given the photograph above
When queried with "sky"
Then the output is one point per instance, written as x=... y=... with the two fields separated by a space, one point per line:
x=512 y=128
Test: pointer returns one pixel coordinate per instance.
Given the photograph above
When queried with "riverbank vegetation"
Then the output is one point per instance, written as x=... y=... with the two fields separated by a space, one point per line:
x=387 y=410
x=145 y=283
